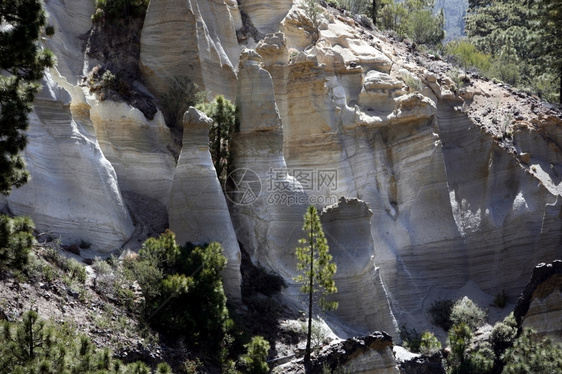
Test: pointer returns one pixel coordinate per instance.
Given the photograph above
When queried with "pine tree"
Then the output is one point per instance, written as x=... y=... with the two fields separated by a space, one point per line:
x=16 y=239
x=21 y=64
x=223 y=113
x=533 y=355
x=314 y=261
x=413 y=18
x=524 y=39
x=550 y=21
x=255 y=358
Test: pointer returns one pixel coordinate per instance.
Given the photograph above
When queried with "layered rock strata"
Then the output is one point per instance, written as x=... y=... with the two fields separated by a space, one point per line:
x=74 y=192
x=454 y=200
x=137 y=148
x=361 y=294
x=197 y=40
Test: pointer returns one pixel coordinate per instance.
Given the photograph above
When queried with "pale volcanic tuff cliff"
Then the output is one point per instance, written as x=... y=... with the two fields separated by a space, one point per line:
x=423 y=192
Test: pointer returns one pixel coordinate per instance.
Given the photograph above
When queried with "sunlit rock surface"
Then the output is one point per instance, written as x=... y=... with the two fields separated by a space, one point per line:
x=136 y=147
x=453 y=201
x=71 y=20
x=259 y=186
x=371 y=354
x=73 y=192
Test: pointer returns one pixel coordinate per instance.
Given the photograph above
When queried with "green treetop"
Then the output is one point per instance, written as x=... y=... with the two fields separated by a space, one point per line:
x=223 y=113
x=22 y=62
x=525 y=40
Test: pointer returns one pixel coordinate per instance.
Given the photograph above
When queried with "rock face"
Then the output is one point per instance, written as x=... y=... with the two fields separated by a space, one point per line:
x=540 y=304
x=197 y=40
x=264 y=218
x=137 y=148
x=74 y=190
x=266 y=15
x=197 y=212
x=436 y=193
x=347 y=227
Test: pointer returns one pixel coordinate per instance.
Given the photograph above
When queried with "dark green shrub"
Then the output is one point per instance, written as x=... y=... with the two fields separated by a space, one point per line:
x=16 y=240
x=50 y=30
x=459 y=338
x=411 y=339
x=108 y=79
x=163 y=368
x=429 y=344
x=223 y=113
x=500 y=300
x=183 y=290
x=480 y=360
x=503 y=335
x=440 y=311
x=255 y=359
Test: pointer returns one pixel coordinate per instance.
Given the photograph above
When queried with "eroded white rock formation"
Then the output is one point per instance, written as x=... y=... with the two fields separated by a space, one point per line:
x=197 y=40
x=346 y=117
x=137 y=148
x=73 y=192
x=198 y=211
x=347 y=227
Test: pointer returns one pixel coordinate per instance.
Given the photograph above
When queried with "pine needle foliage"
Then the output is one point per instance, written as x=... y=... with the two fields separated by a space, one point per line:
x=223 y=113
x=33 y=346
x=317 y=269
x=22 y=62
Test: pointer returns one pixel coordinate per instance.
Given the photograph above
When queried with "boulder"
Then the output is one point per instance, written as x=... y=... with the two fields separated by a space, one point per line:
x=371 y=354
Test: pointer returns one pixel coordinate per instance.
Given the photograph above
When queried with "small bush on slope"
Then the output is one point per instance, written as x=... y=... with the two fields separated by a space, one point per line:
x=466 y=311
x=531 y=354
x=16 y=239
x=36 y=346
x=440 y=311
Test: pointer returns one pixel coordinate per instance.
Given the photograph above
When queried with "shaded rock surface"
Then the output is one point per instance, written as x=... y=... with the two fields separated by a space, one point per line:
x=540 y=305
x=197 y=40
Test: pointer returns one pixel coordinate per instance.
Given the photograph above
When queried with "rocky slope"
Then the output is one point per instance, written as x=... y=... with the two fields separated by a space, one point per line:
x=426 y=186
